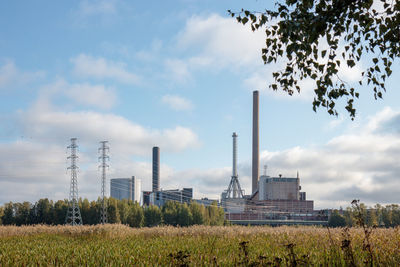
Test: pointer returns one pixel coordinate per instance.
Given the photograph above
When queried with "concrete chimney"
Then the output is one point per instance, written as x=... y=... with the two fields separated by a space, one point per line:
x=156 y=169
x=234 y=160
x=255 y=167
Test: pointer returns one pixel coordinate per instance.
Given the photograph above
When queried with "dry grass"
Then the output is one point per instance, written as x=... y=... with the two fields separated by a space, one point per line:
x=115 y=245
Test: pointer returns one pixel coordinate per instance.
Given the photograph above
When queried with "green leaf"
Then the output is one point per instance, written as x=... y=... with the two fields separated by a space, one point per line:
x=351 y=63
x=295 y=29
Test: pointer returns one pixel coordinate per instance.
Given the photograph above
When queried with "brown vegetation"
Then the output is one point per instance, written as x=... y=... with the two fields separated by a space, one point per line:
x=195 y=246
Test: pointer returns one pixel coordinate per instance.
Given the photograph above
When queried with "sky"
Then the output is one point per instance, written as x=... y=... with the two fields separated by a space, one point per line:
x=176 y=74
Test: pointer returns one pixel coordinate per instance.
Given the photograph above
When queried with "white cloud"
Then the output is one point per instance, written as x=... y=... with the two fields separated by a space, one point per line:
x=385 y=116
x=350 y=74
x=100 y=68
x=221 y=41
x=177 y=102
x=53 y=126
x=35 y=166
x=93 y=95
x=334 y=123
x=10 y=75
x=218 y=42
x=214 y=42
x=98 y=13
x=151 y=53
x=8 y=72
x=360 y=164
x=261 y=79
x=30 y=171
x=80 y=93
x=177 y=70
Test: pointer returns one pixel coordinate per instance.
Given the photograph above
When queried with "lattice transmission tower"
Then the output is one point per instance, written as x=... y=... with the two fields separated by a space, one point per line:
x=234 y=190
x=104 y=148
x=73 y=213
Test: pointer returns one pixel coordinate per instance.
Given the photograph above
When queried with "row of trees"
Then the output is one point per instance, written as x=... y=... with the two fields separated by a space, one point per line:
x=381 y=216
x=124 y=211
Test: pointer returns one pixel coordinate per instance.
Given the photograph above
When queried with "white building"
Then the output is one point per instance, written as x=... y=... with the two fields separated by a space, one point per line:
x=126 y=188
x=278 y=188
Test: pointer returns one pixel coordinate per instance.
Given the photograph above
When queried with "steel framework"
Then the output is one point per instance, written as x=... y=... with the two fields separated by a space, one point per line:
x=104 y=148
x=234 y=190
x=73 y=213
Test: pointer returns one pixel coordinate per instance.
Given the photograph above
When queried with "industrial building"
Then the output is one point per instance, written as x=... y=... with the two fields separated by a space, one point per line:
x=273 y=195
x=206 y=201
x=276 y=188
x=273 y=200
x=126 y=188
x=159 y=198
x=280 y=194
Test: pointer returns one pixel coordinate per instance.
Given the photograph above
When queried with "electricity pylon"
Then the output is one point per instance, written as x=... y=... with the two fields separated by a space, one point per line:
x=73 y=213
x=103 y=157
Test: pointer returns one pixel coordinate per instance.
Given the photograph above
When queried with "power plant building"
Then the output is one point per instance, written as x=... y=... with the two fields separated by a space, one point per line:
x=274 y=188
x=272 y=199
x=126 y=188
x=281 y=194
x=159 y=198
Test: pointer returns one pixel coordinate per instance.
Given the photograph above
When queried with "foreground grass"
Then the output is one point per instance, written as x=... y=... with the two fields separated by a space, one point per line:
x=118 y=245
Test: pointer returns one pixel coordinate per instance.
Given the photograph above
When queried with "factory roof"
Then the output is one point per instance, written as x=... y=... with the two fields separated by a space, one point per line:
x=280 y=179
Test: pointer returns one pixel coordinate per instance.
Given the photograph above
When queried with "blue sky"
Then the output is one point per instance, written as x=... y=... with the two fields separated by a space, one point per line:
x=180 y=75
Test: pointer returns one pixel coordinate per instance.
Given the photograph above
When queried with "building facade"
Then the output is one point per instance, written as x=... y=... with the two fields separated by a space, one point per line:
x=126 y=188
x=276 y=188
x=159 y=198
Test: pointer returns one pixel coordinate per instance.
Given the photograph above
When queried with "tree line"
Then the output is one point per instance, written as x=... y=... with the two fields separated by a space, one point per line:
x=46 y=211
x=380 y=216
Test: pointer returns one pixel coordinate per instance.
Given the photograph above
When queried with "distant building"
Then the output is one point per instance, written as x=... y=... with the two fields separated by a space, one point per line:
x=126 y=188
x=146 y=197
x=280 y=194
x=273 y=200
x=274 y=197
x=276 y=188
x=159 y=198
x=235 y=205
x=206 y=201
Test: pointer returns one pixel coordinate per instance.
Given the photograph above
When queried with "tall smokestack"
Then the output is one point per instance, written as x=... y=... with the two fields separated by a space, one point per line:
x=156 y=169
x=255 y=143
x=234 y=160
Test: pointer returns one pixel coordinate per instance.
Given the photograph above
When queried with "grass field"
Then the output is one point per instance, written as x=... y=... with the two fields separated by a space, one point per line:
x=118 y=245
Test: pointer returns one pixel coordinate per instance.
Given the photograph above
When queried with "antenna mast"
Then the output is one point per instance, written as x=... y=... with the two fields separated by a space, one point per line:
x=73 y=212
x=103 y=157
